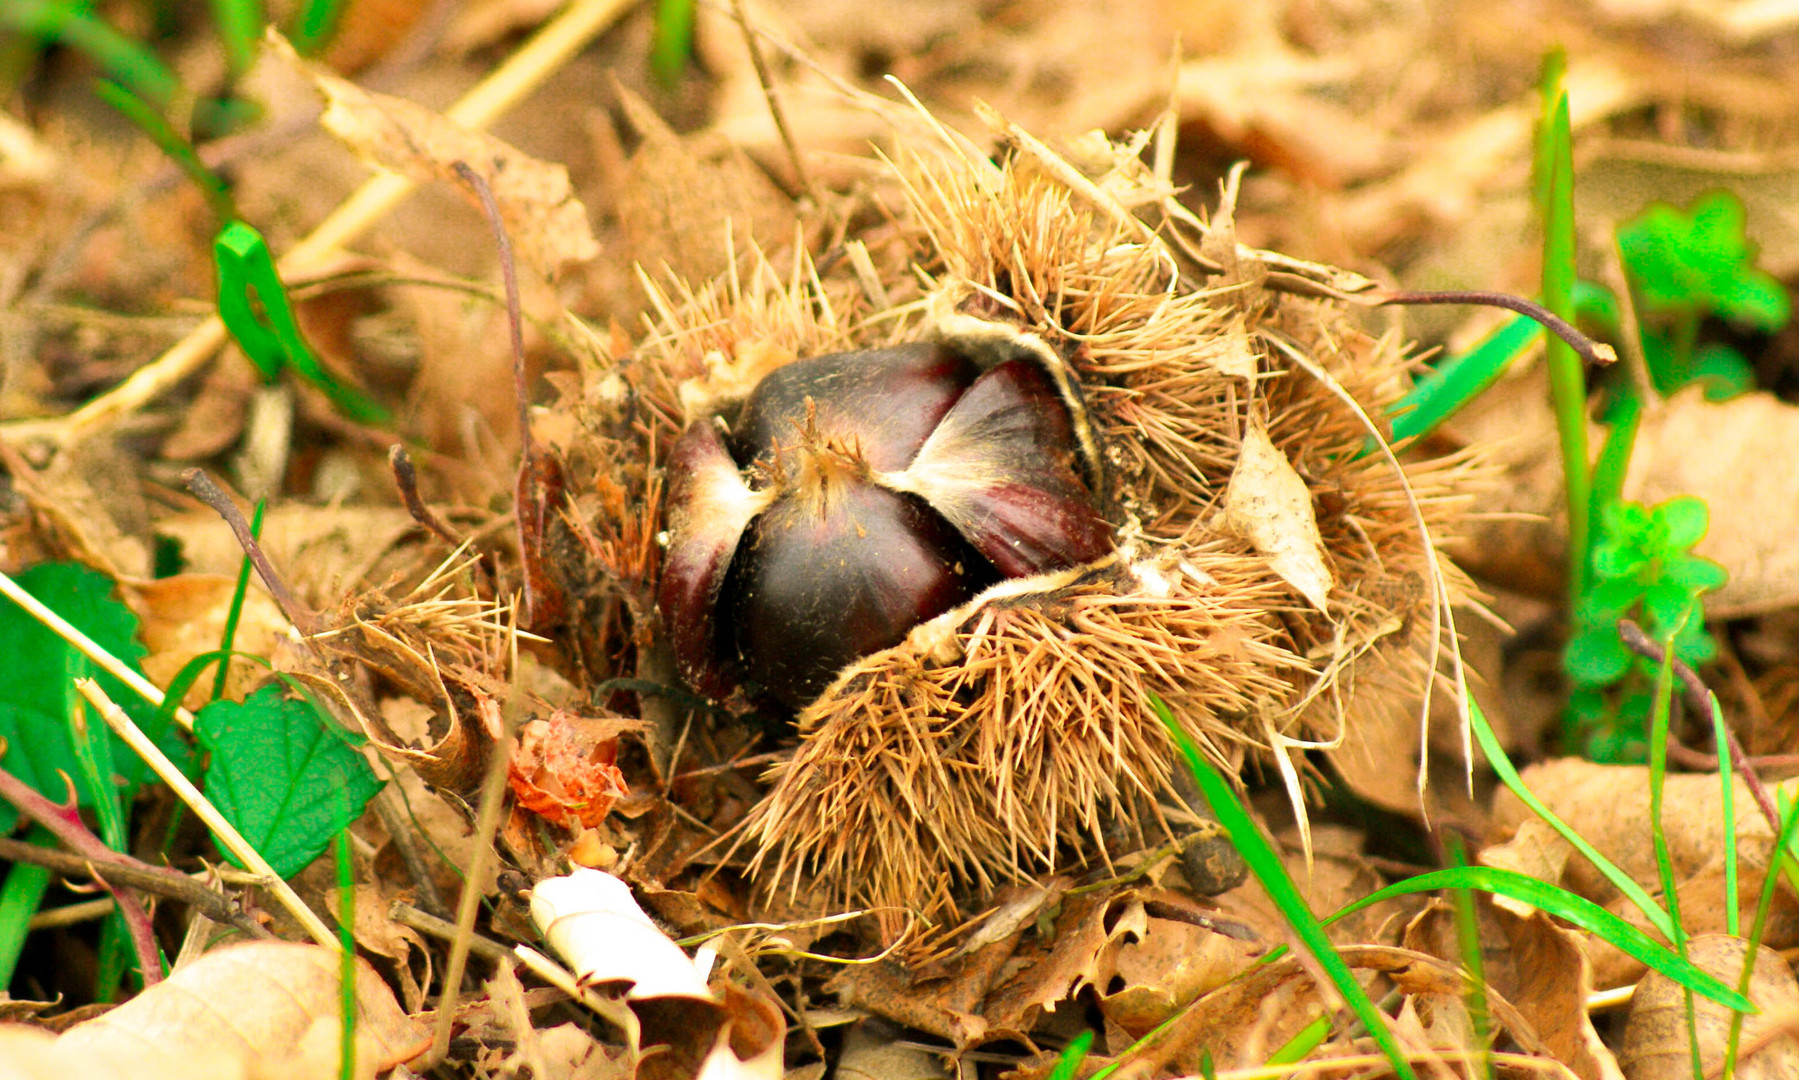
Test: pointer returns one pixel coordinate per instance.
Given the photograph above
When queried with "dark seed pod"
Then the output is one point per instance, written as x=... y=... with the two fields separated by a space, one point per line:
x=860 y=495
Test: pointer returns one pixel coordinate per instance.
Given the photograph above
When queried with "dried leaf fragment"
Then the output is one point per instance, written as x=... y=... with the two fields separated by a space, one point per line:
x=234 y=1009
x=536 y=200
x=1268 y=504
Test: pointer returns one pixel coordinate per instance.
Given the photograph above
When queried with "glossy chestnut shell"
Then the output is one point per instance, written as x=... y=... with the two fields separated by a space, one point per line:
x=856 y=496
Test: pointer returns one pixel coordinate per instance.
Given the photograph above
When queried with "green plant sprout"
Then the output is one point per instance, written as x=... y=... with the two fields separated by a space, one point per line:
x=273 y=342
x=1643 y=568
x=1685 y=267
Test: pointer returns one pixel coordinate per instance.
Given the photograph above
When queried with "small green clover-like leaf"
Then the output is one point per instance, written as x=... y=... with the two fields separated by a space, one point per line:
x=1617 y=559
x=1701 y=259
x=1722 y=371
x=1609 y=600
x=281 y=776
x=1665 y=603
x=1684 y=519
x=1694 y=573
x=1596 y=657
x=37 y=693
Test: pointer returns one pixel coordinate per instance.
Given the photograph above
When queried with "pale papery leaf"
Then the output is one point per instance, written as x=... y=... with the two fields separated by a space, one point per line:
x=592 y=921
x=1268 y=504
x=228 y=1015
x=536 y=201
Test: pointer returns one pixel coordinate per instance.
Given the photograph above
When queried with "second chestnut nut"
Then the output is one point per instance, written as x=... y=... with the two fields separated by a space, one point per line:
x=857 y=495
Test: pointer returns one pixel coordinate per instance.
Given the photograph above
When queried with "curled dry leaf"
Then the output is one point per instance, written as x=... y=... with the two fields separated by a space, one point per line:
x=229 y=1015
x=1268 y=504
x=1537 y=976
x=564 y=768
x=592 y=921
x=1657 y=1042
x=536 y=201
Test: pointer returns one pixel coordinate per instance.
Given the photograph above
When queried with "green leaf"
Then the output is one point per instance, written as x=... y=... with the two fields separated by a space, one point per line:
x=1722 y=371
x=281 y=775
x=1616 y=559
x=1695 y=573
x=37 y=693
x=1596 y=657
x=1701 y=260
x=1576 y=909
x=273 y=342
x=1685 y=517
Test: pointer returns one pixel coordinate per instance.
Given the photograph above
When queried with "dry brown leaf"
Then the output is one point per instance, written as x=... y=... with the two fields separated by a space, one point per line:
x=1268 y=504
x=1538 y=969
x=537 y=203
x=322 y=551
x=184 y=616
x=1727 y=453
x=685 y=202
x=1166 y=965
x=1657 y=1042
x=235 y=1013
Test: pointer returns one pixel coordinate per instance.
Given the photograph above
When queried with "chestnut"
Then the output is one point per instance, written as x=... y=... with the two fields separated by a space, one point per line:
x=857 y=495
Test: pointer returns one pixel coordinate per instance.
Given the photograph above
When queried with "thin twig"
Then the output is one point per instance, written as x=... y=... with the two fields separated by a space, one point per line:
x=203 y=809
x=1700 y=699
x=406 y=478
x=487 y=824
x=774 y=102
x=304 y=618
x=90 y=648
x=1591 y=351
x=124 y=870
x=426 y=923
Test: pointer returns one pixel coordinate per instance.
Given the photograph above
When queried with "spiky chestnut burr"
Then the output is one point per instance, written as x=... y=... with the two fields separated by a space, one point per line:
x=858 y=495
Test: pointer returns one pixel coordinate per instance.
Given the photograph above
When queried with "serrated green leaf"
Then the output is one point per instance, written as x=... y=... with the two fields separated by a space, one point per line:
x=37 y=693
x=281 y=776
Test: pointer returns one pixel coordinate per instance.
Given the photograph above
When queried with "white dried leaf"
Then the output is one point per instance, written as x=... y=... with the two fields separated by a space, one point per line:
x=592 y=921
x=1268 y=504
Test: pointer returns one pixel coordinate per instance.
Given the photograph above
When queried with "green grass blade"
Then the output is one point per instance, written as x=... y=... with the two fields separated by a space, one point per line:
x=1266 y=864
x=1467 y=936
x=674 y=39
x=1721 y=739
x=236 y=610
x=20 y=897
x=1072 y=1056
x=1462 y=378
x=1770 y=881
x=240 y=26
x=1567 y=380
x=1576 y=909
x=1508 y=775
x=1623 y=419
x=179 y=150
x=313 y=27
x=245 y=265
x=1658 y=773
x=346 y=937
x=75 y=26
x=1303 y=1042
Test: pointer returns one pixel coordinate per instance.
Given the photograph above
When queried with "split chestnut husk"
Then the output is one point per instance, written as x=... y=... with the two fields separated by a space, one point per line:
x=860 y=495
x=963 y=524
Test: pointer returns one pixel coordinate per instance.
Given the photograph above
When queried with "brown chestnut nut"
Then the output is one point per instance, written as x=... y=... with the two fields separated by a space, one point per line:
x=859 y=495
